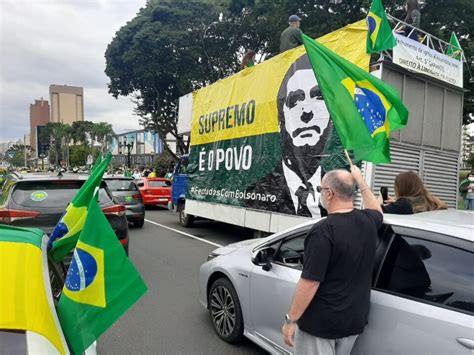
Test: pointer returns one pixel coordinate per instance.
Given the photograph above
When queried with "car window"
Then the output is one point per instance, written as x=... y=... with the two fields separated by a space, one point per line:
x=157 y=183
x=429 y=271
x=291 y=251
x=121 y=185
x=139 y=183
x=46 y=194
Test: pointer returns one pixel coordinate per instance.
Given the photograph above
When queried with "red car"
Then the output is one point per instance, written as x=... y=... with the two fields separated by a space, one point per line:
x=154 y=191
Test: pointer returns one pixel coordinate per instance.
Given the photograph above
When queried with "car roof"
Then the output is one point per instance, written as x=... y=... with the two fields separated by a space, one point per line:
x=456 y=223
x=49 y=177
x=451 y=222
x=155 y=178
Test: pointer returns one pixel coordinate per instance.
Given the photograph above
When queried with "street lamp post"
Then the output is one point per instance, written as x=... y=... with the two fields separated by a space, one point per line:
x=129 y=146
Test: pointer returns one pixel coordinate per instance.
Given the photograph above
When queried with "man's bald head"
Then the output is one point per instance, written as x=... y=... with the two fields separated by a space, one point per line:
x=341 y=183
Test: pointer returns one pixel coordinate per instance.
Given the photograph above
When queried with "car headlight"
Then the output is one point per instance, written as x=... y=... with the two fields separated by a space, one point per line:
x=212 y=255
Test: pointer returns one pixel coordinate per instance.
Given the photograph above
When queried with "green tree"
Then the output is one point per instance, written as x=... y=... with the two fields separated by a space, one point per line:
x=164 y=163
x=77 y=155
x=17 y=154
x=58 y=134
x=103 y=133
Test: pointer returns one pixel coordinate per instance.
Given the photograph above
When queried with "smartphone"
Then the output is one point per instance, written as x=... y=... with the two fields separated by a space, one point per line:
x=384 y=193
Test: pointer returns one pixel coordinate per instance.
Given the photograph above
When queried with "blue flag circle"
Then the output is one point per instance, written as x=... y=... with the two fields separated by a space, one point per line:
x=82 y=271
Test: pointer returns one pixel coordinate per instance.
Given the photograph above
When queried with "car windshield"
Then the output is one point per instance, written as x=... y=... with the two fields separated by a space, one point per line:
x=121 y=185
x=46 y=194
x=157 y=183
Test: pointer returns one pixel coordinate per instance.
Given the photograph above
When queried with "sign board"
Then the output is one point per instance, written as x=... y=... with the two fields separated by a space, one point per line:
x=258 y=137
x=419 y=58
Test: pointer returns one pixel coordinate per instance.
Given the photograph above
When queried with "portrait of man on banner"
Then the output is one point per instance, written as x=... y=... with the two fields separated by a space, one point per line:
x=304 y=125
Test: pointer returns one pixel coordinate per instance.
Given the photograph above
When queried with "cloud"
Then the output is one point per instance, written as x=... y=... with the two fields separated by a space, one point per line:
x=45 y=42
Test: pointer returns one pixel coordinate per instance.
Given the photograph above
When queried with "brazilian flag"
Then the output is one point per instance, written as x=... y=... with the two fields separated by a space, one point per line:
x=101 y=283
x=379 y=34
x=454 y=49
x=65 y=234
x=364 y=109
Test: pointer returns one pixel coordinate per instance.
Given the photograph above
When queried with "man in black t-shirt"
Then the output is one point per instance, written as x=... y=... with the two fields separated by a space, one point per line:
x=332 y=297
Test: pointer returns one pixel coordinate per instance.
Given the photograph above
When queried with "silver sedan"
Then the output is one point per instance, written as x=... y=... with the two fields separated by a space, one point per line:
x=422 y=299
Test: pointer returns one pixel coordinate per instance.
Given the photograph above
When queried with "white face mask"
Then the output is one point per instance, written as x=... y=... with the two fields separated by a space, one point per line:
x=323 y=200
x=306 y=115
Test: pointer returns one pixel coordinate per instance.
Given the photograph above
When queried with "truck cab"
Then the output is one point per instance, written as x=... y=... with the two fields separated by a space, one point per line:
x=178 y=191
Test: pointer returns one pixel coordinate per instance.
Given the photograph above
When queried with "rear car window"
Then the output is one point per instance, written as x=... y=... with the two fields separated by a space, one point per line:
x=157 y=183
x=50 y=193
x=121 y=185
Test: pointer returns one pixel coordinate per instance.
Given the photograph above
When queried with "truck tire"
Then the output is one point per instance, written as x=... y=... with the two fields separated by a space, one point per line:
x=186 y=220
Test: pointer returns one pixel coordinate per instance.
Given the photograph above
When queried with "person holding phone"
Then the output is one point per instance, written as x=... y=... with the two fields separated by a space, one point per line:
x=411 y=196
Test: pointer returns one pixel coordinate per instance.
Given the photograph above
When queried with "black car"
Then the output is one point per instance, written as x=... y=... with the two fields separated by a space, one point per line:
x=39 y=200
x=127 y=193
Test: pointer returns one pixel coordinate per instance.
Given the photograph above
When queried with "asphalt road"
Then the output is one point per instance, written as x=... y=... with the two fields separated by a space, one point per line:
x=169 y=319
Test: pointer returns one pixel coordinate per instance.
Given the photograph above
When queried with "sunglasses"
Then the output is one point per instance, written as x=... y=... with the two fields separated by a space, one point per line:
x=320 y=188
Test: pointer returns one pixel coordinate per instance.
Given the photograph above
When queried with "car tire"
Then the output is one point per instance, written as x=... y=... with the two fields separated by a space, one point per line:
x=139 y=224
x=186 y=220
x=225 y=311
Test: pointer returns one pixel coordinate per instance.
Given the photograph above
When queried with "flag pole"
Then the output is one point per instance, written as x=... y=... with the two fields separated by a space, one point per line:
x=348 y=158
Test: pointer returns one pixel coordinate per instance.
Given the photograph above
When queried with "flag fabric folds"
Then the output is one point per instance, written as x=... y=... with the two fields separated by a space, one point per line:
x=65 y=234
x=364 y=109
x=379 y=34
x=454 y=49
x=25 y=297
x=101 y=283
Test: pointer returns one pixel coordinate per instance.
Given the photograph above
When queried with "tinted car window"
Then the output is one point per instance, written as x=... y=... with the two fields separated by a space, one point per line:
x=44 y=194
x=121 y=185
x=429 y=271
x=291 y=252
x=157 y=183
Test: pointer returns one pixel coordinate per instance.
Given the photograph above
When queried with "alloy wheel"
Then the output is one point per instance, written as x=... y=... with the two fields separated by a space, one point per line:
x=222 y=311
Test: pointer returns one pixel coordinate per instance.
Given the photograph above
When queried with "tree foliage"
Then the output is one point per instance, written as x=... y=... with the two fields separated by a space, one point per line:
x=173 y=47
x=164 y=163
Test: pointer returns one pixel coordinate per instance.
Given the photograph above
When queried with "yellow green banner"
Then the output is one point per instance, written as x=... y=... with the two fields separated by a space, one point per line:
x=258 y=136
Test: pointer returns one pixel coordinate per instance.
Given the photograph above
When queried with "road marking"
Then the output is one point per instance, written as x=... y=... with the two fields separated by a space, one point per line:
x=184 y=233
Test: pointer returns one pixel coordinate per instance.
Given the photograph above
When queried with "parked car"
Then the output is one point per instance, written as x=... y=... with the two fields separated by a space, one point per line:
x=40 y=200
x=126 y=192
x=422 y=300
x=28 y=320
x=155 y=191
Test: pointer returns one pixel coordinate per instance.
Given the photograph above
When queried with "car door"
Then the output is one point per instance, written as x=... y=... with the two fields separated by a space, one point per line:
x=423 y=300
x=271 y=291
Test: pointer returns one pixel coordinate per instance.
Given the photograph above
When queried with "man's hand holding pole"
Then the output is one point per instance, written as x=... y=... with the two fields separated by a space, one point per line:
x=368 y=198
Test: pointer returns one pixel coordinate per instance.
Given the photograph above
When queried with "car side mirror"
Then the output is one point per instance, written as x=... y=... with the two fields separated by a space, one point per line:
x=263 y=257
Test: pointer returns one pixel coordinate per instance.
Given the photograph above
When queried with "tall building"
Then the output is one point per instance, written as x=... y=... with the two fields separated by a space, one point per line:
x=67 y=103
x=39 y=116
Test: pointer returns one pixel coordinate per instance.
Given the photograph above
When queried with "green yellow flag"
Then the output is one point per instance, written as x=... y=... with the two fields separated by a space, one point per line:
x=101 y=283
x=379 y=34
x=364 y=109
x=65 y=234
x=454 y=49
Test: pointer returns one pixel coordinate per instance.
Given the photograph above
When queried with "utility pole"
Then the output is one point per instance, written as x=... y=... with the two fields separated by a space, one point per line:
x=24 y=147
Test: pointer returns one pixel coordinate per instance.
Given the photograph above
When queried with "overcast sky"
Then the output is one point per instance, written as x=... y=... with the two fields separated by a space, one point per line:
x=45 y=42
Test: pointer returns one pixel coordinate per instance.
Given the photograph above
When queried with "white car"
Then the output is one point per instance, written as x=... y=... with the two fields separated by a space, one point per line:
x=422 y=299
